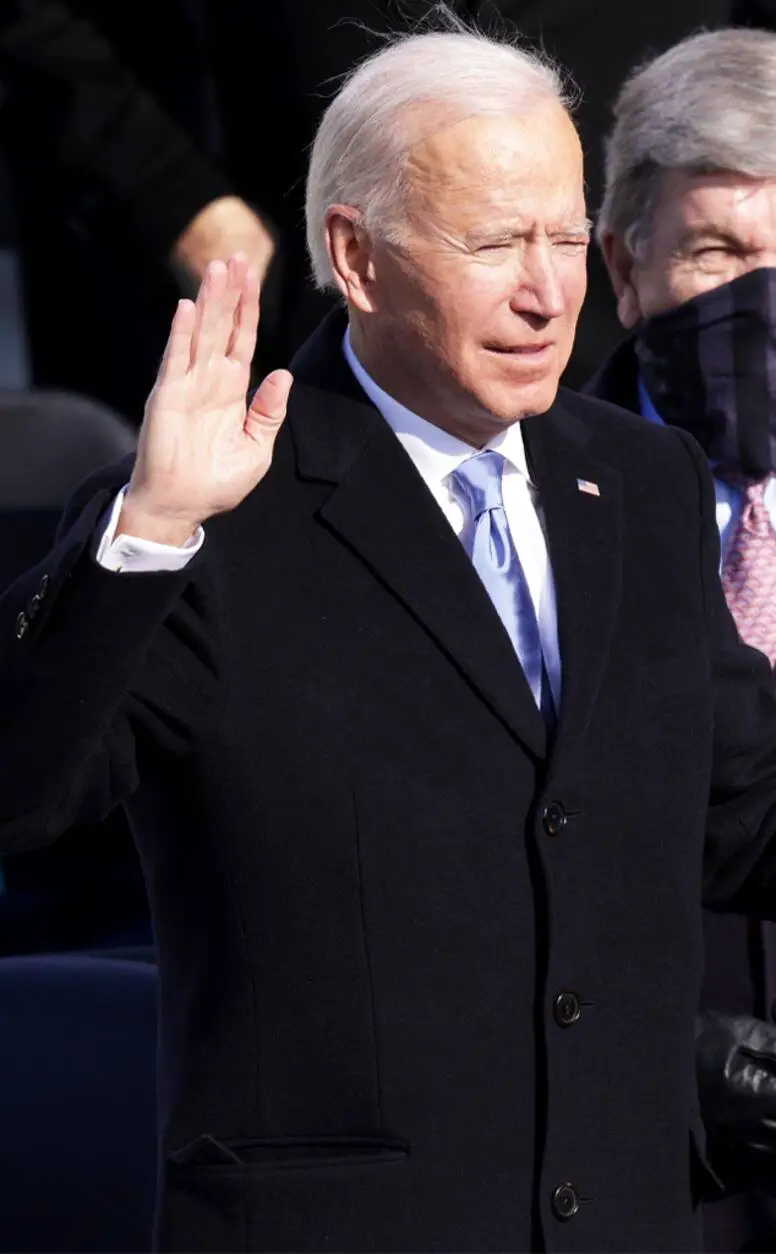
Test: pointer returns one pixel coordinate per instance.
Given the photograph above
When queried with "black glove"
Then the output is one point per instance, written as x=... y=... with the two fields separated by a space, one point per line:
x=735 y=1058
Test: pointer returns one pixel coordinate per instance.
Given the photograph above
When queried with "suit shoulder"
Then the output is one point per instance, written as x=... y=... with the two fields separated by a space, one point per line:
x=613 y=427
x=594 y=412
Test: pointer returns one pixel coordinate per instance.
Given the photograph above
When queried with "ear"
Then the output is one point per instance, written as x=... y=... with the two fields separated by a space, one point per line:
x=620 y=264
x=350 y=253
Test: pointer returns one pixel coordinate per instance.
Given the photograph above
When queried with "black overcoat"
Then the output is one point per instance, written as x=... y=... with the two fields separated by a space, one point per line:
x=428 y=979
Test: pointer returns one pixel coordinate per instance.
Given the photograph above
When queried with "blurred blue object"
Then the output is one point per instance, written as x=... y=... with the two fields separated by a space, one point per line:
x=77 y=1104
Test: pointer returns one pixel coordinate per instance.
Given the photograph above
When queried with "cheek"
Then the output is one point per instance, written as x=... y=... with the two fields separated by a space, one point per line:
x=573 y=279
x=463 y=308
x=658 y=289
x=691 y=283
x=481 y=301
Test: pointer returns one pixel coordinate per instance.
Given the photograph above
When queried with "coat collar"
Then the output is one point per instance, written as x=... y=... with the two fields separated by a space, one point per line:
x=617 y=381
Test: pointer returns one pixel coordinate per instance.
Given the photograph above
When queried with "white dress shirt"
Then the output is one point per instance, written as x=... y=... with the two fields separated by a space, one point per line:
x=129 y=554
x=435 y=455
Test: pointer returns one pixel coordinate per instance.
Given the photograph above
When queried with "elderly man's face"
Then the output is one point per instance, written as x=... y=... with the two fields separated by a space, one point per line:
x=470 y=319
x=707 y=230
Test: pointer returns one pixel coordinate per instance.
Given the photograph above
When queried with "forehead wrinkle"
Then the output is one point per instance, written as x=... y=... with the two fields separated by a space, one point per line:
x=742 y=213
x=513 y=202
x=490 y=173
x=448 y=149
x=701 y=198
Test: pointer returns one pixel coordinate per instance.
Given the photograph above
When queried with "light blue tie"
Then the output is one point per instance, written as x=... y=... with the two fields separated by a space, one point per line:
x=487 y=540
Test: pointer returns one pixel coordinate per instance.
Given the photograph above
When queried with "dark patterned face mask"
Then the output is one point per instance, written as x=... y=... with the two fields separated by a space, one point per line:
x=710 y=367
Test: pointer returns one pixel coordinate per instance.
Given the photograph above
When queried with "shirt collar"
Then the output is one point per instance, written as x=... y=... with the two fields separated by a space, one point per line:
x=435 y=452
x=646 y=404
x=648 y=410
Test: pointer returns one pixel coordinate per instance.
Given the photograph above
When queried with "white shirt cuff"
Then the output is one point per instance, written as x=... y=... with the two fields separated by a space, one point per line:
x=131 y=555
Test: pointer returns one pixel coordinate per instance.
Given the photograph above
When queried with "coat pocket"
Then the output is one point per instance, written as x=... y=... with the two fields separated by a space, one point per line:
x=286 y=1153
x=281 y=1194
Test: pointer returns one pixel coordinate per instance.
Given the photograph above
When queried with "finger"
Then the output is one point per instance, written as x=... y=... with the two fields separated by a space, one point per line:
x=236 y=271
x=268 y=407
x=177 y=350
x=210 y=307
x=242 y=344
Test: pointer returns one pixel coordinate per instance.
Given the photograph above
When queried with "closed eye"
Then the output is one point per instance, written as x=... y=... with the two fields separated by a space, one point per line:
x=573 y=244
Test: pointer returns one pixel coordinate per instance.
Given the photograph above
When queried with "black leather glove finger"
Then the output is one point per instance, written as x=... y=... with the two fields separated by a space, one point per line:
x=736 y=1070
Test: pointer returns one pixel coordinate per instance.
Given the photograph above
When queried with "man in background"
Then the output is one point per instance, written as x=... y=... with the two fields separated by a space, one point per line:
x=688 y=233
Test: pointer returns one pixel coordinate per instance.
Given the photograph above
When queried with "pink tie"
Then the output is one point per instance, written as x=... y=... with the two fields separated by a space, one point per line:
x=749 y=572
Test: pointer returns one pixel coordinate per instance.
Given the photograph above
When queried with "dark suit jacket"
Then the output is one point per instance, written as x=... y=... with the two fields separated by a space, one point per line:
x=375 y=884
x=740 y=953
x=740 y=973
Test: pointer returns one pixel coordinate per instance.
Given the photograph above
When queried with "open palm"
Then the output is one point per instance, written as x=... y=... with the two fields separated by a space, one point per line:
x=201 y=451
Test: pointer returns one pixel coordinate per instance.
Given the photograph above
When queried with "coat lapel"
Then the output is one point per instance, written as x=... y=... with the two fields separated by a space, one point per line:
x=584 y=534
x=617 y=381
x=383 y=511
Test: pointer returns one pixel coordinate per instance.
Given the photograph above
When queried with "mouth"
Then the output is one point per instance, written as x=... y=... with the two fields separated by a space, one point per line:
x=529 y=351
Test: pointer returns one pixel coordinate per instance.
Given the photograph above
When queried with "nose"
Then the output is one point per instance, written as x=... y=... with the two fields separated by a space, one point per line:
x=539 y=290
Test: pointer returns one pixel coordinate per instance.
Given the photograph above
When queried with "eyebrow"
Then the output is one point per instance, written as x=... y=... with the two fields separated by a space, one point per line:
x=582 y=226
x=694 y=234
x=581 y=229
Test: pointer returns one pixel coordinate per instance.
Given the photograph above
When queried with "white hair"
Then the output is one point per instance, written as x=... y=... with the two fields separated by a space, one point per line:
x=706 y=105
x=360 y=150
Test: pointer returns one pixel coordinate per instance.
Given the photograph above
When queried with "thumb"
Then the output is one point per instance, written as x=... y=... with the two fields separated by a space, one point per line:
x=268 y=405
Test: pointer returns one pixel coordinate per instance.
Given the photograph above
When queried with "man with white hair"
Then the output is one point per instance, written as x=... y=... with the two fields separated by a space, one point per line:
x=688 y=232
x=427 y=711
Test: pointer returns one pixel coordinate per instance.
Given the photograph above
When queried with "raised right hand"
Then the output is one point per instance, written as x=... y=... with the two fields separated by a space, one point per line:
x=201 y=451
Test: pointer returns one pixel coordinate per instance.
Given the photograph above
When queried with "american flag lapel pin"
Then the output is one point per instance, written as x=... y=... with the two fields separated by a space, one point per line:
x=590 y=489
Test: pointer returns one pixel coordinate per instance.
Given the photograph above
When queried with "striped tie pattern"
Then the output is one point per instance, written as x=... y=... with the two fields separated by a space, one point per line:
x=749 y=572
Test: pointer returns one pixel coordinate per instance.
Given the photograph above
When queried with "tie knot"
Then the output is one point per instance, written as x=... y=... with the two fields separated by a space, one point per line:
x=479 y=480
x=753 y=489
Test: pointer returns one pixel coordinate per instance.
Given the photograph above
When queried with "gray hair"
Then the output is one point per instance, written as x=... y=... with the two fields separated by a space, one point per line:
x=360 y=149
x=706 y=105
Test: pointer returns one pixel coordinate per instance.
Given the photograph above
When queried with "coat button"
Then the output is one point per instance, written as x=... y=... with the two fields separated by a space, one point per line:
x=565 y=1202
x=43 y=587
x=22 y=623
x=554 y=818
x=566 y=1009
x=34 y=605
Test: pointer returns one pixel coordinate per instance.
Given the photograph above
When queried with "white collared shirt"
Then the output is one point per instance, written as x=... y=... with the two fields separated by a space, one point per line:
x=435 y=455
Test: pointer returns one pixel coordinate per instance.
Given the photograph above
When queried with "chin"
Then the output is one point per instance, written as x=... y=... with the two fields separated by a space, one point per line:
x=510 y=402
